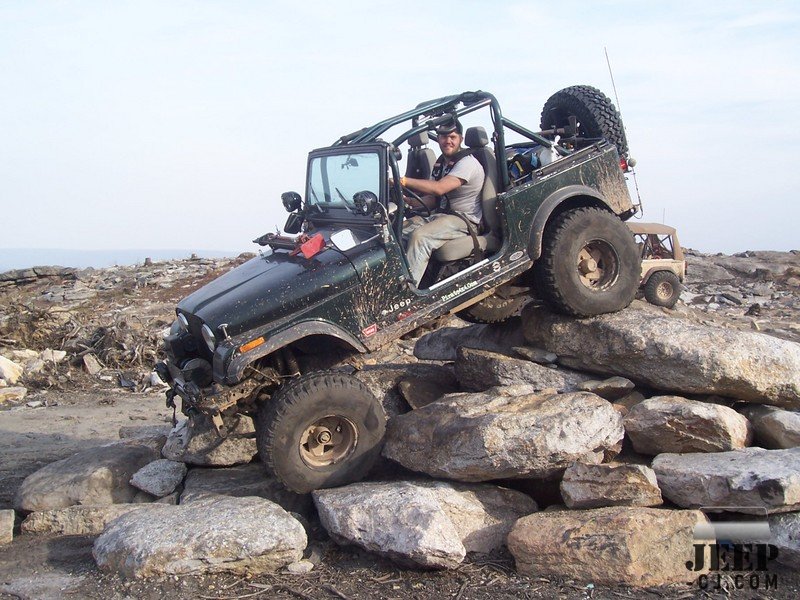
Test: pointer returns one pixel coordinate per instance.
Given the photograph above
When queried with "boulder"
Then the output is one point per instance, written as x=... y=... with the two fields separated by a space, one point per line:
x=480 y=437
x=785 y=536
x=76 y=520
x=9 y=370
x=774 y=428
x=479 y=370
x=96 y=476
x=194 y=441
x=239 y=535
x=674 y=424
x=147 y=435
x=6 y=526
x=244 y=480
x=746 y=481
x=595 y=486
x=421 y=523
x=160 y=477
x=443 y=343
x=610 y=546
x=673 y=354
x=12 y=393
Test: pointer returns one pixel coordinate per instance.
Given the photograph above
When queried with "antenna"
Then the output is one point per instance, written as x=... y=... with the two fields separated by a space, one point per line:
x=613 y=84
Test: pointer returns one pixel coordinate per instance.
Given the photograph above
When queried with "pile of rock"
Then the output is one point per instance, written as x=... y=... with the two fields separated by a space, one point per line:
x=21 y=364
x=642 y=422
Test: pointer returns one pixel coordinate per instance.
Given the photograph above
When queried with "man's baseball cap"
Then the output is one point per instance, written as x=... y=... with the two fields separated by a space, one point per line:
x=450 y=126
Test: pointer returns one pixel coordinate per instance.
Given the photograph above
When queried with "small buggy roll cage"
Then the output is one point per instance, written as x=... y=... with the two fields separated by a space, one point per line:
x=428 y=115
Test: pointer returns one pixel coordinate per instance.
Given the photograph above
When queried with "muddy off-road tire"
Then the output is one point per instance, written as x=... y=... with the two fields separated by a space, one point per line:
x=320 y=430
x=494 y=309
x=596 y=115
x=589 y=265
x=663 y=288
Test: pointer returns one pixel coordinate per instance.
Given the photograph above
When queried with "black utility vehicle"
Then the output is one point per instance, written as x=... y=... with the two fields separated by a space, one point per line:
x=263 y=338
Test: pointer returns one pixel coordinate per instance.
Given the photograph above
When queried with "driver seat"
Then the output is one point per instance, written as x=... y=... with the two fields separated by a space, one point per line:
x=477 y=139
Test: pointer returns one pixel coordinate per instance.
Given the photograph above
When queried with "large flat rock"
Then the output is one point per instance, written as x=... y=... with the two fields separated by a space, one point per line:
x=238 y=535
x=443 y=343
x=746 y=481
x=673 y=354
x=674 y=424
x=611 y=546
x=480 y=437
x=97 y=476
x=422 y=523
x=479 y=370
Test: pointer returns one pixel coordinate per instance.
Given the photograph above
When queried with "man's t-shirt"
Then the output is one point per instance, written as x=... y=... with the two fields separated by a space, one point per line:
x=465 y=199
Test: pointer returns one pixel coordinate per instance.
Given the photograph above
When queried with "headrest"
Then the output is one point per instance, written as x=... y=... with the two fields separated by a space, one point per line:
x=476 y=137
x=419 y=139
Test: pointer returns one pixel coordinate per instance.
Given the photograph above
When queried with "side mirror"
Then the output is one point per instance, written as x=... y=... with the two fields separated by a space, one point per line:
x=291 y=201
x=366 y=202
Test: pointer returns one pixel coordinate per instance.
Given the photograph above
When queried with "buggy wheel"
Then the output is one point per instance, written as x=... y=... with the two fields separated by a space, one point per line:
x=589 y=263
x=321 y=430
x=663 y=288
x=597 y=116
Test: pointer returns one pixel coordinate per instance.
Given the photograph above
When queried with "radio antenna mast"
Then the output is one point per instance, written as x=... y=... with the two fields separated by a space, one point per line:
x=619 y=110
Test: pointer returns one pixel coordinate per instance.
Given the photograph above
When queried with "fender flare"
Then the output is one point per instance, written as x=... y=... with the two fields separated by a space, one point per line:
x=589 y=197
x=233 y=372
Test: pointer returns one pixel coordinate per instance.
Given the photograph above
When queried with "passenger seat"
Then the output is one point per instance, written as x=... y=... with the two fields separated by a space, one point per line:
x=420 y=158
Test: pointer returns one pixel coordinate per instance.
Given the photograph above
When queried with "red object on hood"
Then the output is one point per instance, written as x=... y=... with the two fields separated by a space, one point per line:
x=313 y=246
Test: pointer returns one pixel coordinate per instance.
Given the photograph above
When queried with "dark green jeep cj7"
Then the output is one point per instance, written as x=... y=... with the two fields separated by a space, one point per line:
x=264 y=339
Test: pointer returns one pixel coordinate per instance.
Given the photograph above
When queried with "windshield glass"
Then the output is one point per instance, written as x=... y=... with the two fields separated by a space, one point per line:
x=333 y=180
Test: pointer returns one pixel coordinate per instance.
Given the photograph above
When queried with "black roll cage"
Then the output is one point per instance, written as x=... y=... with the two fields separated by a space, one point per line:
x=426 y=116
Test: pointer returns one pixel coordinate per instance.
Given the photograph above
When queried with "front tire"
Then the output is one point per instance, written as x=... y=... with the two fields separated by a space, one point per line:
x=663 y=288
x=320 y=430
x=589 y=265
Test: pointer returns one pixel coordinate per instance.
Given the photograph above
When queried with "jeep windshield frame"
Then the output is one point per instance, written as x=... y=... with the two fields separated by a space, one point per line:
x=335 y=174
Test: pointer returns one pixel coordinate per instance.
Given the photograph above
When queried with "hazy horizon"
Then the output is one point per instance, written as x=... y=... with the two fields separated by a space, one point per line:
x=24 y=258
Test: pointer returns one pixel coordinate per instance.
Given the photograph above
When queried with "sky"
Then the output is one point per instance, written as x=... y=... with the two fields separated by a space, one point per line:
x=151 y=124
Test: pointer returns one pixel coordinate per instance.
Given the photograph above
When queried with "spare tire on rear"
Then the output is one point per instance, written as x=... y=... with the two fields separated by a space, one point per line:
x=596 y=115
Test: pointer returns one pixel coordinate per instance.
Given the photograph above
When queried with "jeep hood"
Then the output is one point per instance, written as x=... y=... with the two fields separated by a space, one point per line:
x=268 y=288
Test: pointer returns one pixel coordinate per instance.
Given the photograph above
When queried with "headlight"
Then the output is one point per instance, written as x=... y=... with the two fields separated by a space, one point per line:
x=183 y=322
x=208 y=337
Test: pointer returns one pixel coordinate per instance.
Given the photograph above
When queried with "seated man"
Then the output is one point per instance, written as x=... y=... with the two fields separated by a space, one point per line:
x=457 y=182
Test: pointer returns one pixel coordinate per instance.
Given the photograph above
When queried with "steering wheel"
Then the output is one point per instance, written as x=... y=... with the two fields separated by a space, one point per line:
x=422 y=210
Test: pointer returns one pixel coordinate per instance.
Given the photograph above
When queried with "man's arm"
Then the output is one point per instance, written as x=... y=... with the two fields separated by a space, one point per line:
x=430 y=186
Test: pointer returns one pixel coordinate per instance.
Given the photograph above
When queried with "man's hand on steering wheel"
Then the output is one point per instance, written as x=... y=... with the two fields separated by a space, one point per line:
x=418 y=206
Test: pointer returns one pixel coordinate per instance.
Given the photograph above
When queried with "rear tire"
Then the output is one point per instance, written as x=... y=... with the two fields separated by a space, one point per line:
x=663 y=288
x=493 y=309
x=589 y=265
x=596 y=115
x=320 y=430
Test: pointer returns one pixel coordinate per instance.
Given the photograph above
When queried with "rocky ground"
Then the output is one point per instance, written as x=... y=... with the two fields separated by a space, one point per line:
x=79 y=346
